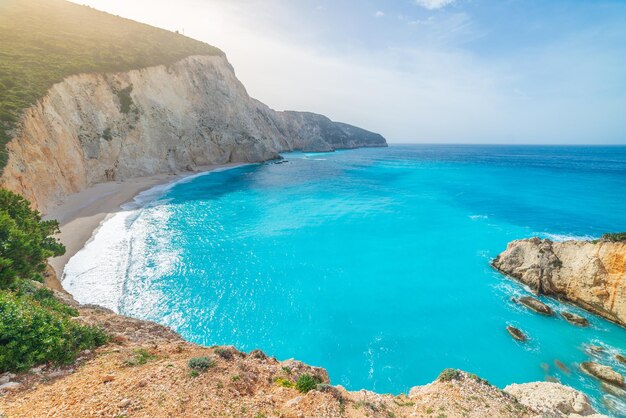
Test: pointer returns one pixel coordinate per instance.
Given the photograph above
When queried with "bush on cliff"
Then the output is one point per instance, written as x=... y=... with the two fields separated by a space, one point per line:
x=614 y=237
x=307 y=383
x=34 y=326
x=26 y=241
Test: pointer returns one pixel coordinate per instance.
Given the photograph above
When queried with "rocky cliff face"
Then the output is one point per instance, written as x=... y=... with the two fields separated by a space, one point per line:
x=92 y=128
x=591 y=275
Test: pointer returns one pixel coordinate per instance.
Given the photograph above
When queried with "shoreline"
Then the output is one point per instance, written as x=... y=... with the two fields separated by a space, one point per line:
x=81 y=214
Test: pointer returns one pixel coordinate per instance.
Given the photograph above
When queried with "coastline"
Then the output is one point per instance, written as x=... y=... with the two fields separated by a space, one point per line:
x=81 y=214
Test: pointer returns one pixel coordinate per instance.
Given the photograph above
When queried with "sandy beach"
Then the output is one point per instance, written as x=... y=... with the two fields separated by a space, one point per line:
x=83 y=212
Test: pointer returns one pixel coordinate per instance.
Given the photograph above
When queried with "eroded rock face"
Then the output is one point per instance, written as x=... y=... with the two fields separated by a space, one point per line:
x=92 y=128
x=590 y=275
x=602 y=372
x=552 y=399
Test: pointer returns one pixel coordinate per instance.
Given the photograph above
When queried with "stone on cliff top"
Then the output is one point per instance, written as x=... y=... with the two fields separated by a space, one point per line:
x=551 y=399
x=536 y=305
x=10 y=386
x=516 y=333
x=575 y=319
x=6 y=378
x=602 y=372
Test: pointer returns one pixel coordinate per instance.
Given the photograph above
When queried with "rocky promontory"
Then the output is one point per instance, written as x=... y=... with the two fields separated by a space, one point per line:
x=590 y=274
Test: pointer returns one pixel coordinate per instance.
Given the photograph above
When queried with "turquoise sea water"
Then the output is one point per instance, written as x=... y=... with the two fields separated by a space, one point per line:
x=372 y=263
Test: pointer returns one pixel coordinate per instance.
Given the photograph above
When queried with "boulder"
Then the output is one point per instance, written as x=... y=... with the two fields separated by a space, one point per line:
x=10 y=386
x=6 y=378
x=516 y=333
x=551 y=399
x=602 y=372
x=536 y=305
x=575 y=319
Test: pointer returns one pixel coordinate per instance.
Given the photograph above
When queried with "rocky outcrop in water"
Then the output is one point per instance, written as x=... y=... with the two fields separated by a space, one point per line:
x=589 y=274
x=603 y=372
x=516 y=333
x=93 y=128
x=575 y=319
x=536 y=305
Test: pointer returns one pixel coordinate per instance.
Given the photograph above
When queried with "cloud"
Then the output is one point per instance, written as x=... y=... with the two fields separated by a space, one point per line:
x=427 y=84
x=379 y=14
x=434 y=4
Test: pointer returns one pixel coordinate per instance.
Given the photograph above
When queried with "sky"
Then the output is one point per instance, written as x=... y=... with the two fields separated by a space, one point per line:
x=453 y=71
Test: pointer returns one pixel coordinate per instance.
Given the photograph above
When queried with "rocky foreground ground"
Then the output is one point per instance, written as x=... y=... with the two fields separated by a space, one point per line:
x=144 y=372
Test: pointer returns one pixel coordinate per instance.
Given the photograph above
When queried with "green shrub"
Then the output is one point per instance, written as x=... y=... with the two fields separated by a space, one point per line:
x=35 y=327
x=284 y=382
x=125 y=100
x=224 y=353
x=200 y=364
x=45 y=297
x=107 y=135
x=448 y=375
x=36 y=331
x=26 y=241
x=140 y=356
x=614 y=236
x=306 y=383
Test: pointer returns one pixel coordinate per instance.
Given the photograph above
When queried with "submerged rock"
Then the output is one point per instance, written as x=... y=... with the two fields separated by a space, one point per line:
x=602 y=372
x=613 y=390
x=620 y=358
x=516 y=333
x=551 y=399
x=594 y=349
x=575 y=319
x=536 y=305
x=559 y=364
x=613 y=404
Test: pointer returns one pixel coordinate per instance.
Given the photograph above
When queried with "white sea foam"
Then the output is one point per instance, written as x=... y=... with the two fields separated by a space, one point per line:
x=100 y=272
x=565 y=237
x=96 y=273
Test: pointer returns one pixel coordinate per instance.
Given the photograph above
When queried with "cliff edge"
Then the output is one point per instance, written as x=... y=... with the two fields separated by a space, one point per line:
x=93 y=128
x=147 y=370
x=590 y=274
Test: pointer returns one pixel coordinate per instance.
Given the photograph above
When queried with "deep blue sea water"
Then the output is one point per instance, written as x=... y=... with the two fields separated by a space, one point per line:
x=372 y=263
